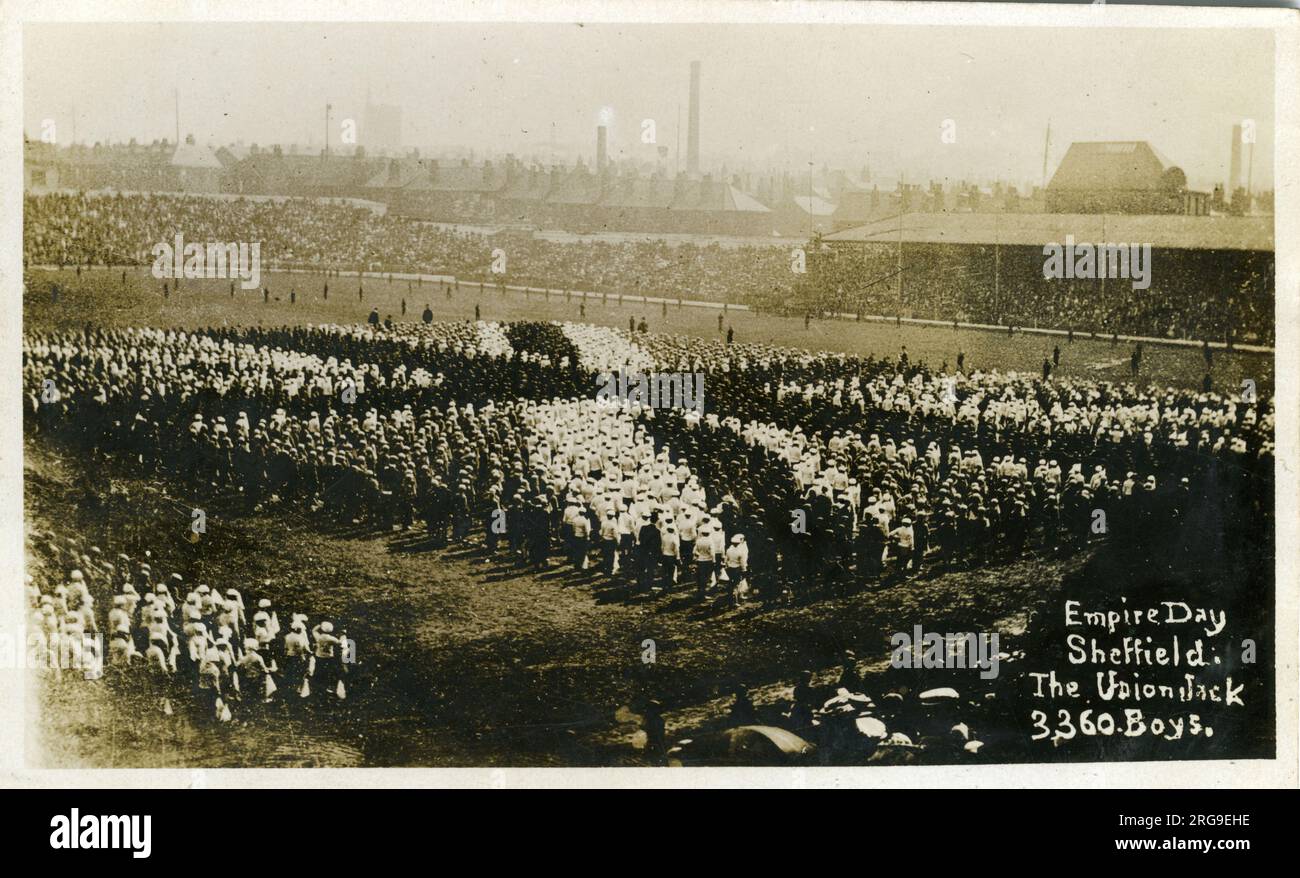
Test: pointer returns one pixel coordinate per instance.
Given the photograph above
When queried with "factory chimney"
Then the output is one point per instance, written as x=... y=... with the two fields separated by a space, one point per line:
x=1234 y=168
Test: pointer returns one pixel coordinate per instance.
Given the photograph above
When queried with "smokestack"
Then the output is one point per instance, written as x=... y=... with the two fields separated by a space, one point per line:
x=601 y=159
x=1234 y=167
x=693 y=123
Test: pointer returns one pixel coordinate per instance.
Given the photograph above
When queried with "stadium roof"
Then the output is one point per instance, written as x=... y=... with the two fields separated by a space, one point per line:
x=1037 y=229
x=1110 y=164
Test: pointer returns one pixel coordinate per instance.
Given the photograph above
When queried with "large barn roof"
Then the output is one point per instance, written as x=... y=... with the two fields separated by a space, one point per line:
x=1109 y=164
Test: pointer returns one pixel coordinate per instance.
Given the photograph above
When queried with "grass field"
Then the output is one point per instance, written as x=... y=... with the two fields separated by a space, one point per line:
x=467 y=663
x=100 y=296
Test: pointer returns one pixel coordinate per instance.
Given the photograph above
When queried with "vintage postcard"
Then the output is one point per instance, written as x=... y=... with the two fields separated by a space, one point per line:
x=868 y=393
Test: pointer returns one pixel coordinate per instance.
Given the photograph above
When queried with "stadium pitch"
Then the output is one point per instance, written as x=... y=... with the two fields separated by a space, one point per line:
x=101 y=296
x=462 y=662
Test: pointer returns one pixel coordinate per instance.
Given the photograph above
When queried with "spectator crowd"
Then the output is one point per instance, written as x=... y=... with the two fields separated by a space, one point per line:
x=121 y=229
x=1193 y=294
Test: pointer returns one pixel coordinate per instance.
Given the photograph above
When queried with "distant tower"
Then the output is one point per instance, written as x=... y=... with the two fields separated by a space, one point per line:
x=693 y=124
x=601 y=159
x=381 y=126
x=1234 y=167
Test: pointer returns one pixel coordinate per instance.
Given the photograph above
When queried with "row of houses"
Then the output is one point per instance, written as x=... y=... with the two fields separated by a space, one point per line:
x=1125 y=178
x=575 y=198
x=503 y=192
x=156 y=166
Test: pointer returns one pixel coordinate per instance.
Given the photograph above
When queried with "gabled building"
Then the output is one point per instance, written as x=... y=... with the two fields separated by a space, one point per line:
x=455 y=192
x=196 y=168
x=1116 y=177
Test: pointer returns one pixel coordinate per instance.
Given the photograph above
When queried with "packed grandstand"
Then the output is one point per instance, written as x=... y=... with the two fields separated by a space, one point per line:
x=1219 y=295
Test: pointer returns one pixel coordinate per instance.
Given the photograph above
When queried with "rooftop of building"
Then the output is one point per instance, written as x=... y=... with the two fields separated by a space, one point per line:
x=1037 y=229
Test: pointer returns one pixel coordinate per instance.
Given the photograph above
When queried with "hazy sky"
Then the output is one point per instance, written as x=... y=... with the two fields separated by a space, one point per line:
x=772 y=94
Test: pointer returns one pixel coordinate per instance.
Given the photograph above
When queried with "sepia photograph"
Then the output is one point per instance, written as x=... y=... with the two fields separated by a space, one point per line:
x=634 y=389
